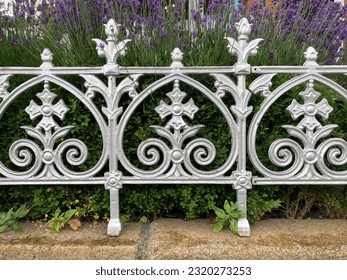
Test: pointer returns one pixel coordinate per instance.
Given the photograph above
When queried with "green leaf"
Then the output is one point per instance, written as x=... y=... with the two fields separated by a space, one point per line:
x=221 y=214
x=56 y=213
x=237 y=214
x=69 y=214
x=227 y=207
x=218 y=219
x=218 y=227
x=22 y=211
x=56 y=227
x=233 y=205
x=2 y=217
x=233 y=226
x=16 y=227
x=9 y=215
x=3 y=228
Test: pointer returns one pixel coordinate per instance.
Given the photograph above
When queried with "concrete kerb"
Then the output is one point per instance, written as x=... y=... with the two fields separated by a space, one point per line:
x=179 y=240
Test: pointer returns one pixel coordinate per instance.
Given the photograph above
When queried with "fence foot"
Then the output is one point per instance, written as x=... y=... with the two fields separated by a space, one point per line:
x=114 y=227
x=243 y=227
x=243 y=224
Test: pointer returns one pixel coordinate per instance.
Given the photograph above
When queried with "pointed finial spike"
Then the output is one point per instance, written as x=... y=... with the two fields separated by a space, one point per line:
x=244 y=29
x=47 y=58
x=111 y=49
x=176 y=57
x=311 y=56
x=111 y=30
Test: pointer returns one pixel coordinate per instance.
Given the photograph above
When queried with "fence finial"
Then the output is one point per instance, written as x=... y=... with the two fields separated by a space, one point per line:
x=311 y=56
x=241 y=47
x=47 y=58
x=176 y=57
x=244 y=29
x=111 y=49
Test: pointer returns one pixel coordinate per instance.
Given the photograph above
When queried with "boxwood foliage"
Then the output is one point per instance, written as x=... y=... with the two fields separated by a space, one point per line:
x=185 y=201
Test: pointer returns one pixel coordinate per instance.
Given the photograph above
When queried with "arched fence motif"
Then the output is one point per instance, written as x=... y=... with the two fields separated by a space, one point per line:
x=176 y=155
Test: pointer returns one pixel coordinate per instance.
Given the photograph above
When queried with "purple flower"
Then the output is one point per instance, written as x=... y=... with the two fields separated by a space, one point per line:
x=14 y=41
x=21 y=14
x=195 y=15
x=31 y=10
x=98 y=3
x=163 y=34
x=135 y=3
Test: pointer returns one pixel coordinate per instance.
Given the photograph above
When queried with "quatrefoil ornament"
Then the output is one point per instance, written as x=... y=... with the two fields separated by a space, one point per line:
x=310 y=109
x=177 y=109
x=47 y=110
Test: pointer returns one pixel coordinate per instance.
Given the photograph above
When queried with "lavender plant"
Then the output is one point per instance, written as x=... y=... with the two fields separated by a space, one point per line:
x=288 y=25
x=158 y=26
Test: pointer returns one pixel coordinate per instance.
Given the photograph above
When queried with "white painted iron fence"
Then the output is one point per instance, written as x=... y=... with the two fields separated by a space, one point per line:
x=177 y=155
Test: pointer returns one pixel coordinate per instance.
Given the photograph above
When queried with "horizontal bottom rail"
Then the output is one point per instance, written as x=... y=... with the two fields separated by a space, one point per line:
x=303 y=181
x=125 y=181
x=43 y=182
x=183 y=181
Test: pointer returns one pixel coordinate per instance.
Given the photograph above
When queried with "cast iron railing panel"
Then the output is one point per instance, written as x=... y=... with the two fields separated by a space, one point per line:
x=176 y=155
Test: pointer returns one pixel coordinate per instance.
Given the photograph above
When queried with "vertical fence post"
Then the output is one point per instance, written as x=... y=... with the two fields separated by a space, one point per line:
x=242 y=49
x=111 y=50
x=113 y=179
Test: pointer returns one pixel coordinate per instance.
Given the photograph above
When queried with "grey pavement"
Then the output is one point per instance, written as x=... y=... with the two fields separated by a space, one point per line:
x=180 y=240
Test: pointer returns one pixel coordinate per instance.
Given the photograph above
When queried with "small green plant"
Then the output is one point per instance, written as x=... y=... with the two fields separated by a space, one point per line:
x=228 y=214
x=144 y=220
x=11 y=218
x=58 y=221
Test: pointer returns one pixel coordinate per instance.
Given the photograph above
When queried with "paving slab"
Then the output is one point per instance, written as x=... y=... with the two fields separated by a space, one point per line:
x=180 y=240
x=270 y=239
x=90 y=242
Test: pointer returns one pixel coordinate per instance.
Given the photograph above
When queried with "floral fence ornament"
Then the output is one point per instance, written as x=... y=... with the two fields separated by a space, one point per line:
x=48 y=132
x=310 y=131
x=177 y=131
x=177 y=154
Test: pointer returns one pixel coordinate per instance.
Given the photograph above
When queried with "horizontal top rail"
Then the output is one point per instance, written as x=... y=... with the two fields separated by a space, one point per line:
x=52 y=71
x=183 y=70
x=319 y=69
x=123 y=70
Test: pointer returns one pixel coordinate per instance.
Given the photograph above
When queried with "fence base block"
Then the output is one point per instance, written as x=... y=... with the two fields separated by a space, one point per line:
x=114 y=227
x=243 y=227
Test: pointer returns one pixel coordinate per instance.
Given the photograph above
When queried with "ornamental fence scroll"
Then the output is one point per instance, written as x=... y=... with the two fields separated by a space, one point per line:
x=176 y=155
